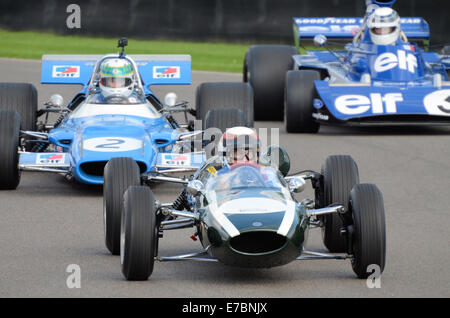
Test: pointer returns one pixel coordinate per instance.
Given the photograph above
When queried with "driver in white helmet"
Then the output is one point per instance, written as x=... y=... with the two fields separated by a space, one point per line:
x=117 y=82
x=384 y=26
x=239 y=145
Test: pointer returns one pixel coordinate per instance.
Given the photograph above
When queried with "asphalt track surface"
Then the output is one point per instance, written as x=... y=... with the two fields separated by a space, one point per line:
x=48 y=223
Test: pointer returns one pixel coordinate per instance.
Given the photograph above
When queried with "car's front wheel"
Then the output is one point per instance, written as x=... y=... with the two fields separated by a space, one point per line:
x=340 y=175
x=119 y=174
x=139 y=233
x=369 y=230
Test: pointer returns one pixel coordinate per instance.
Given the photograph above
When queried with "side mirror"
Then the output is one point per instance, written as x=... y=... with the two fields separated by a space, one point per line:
x=296 y=184
x=170 y=99
x=320 y=40
x=446 y=50
x=56 y=100
x=278 y=158
x=195 y=187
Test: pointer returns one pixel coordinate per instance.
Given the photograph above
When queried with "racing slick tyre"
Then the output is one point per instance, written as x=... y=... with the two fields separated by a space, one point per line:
x=369 y=230
x=340 y=174
x=119 y=174
x=299 y=96
x=211 y=96
x=21 y=97
x=224 y=118
x=139 y=233
x=9 y=144
x=265 y=68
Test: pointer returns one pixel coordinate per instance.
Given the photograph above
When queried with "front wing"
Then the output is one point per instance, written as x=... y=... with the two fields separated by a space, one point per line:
x=366 y=105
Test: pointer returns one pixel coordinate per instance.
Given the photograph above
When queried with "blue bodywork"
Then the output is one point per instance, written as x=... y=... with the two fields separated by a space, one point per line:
x=366 y=83
x=88 y=135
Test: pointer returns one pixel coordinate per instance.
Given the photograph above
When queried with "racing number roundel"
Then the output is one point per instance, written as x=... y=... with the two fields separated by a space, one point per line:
x=438 y=103
x=112 y=144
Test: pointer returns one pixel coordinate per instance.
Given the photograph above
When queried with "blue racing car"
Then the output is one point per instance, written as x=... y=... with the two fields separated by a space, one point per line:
x=385 y=76
x=114 y=115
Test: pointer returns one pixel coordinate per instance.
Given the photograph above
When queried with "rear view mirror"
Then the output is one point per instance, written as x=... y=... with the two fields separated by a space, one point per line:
x=297 y=184
x=320 y=40
x=195 y=187
x=278 y=158
x=170 y=99
x=56 y=100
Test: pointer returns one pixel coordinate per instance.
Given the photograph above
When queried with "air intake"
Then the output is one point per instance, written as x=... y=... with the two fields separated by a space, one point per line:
x=257 y=242
x=95 y=168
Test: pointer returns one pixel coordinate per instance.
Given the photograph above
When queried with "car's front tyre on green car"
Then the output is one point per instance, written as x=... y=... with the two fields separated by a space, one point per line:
x=139 y=233
x=369 y=230
x=340 y=175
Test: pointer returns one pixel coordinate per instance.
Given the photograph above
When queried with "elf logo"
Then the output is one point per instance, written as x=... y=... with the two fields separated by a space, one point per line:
x=360 y=104
x=404 y=61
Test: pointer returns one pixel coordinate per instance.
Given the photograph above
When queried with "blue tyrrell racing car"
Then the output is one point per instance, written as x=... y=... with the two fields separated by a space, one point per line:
x=114 y=115
x=385 y=75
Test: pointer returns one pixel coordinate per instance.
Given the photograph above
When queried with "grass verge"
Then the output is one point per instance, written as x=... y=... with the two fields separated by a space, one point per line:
x=221 y=57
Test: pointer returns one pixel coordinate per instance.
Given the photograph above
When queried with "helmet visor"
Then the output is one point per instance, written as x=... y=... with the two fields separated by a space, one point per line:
x=383 y=31
x=242 y=155
x=115 y=82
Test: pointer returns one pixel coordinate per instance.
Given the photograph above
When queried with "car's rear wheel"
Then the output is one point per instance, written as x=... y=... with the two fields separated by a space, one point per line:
x=139 y=233
x=9 y=144
x=119 y=174
x=21 y=97
x=340 y=174
x=369 y=230
x=224 y=118
x=212 y=96
x=265 y=68
x=216 y=123
x=299 y=97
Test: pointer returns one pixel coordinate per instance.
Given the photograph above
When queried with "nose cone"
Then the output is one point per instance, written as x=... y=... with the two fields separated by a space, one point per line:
x=95 y=145
x=256 y=232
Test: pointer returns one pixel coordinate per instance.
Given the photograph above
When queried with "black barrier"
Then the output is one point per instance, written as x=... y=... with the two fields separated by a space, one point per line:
x=249 y=21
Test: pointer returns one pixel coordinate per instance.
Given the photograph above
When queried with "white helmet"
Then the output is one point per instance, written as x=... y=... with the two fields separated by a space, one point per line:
x=384 y=26
x=239 y=144
x=116 y=77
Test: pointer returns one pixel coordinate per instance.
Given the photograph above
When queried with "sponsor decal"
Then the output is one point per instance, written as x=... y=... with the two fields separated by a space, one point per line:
x=317 y=103
x=409 y=48
x=334 y=20
x=66 y=71
x=112 y=144
x=212 y=170
x=360 y=104
x=438 y=103
x=330 y=20
x=403 y=60
x=351 y=29
x=166 y=72
x=320 y=116
x=50 y=159
x=176 y=160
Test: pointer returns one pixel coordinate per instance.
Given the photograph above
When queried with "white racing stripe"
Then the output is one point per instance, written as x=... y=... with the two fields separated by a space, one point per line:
x=252 y=206
x=221 y=218
x=288 y=219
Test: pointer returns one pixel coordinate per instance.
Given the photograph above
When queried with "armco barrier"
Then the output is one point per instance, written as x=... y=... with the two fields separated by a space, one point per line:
x=250 y=21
